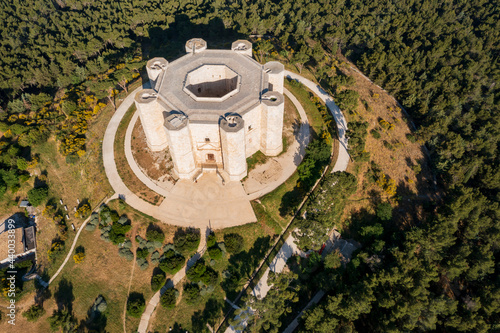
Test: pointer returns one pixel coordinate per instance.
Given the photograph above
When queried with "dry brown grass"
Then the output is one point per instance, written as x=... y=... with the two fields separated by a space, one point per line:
x=395 y=163
x=155 y=165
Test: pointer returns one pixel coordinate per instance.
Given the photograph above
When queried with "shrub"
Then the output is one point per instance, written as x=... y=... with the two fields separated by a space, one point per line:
x=233 y=242
x=79 y=257
x=135 y=305
x=143 y=264
x=127 y=243
x=37 y=196
x=191 y=293
x=104 y=212
x=171 y=262
x=90 y=227
x=155 y=257
x=34 y=312
x=215 y=252
x=142 y=252
x=157 y=281
x=417 y=168
x=211 y=240
x=199 y=272
x=375 y=133
x=154 y=234
x=56 y=248
x=411 y=138
x=151 y=246
x=142 y=242
x=83 y=211
x=126 y=253
x=100 y=305
x=123 y=219
x=204 y=291
x=169 y=298
x=186 y=240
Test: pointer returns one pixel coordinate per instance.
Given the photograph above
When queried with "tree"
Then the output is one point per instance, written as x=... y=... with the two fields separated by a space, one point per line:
x=191 y=293
x=264 y=46
x=135 y=305
x=347 y=100
x=384 y=211
x=299 y=59
x=34 y=312
x=37 y=196
x=333 y=260
x=186 y=240
x=268 y=310
x=169 y=298
x=157 y=280
x=171 y=262
x=155 y=234
x=234 y=242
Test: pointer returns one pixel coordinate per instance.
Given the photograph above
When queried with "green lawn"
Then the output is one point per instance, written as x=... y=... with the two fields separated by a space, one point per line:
x=313 y=114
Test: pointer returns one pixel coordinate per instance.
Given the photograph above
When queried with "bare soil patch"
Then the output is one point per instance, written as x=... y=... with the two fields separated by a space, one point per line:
x=156 y=165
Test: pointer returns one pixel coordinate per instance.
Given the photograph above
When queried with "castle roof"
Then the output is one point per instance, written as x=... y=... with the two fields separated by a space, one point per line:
x=205 y=85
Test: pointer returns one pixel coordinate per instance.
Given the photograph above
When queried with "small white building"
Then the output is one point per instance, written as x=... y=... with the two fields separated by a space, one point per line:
x=213 y=108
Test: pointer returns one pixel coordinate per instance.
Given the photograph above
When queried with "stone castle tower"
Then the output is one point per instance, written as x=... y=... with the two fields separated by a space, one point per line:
x=213 y=108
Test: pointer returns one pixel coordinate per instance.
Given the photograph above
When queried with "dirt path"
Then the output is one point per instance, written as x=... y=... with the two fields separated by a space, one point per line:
x=132 y=239
x=151 y=306
x=70 y=252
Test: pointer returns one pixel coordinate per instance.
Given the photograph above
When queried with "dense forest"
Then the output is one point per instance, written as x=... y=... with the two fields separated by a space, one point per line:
x=61 y=60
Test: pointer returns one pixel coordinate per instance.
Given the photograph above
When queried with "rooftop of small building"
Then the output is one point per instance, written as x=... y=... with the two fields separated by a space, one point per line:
x=249 y=81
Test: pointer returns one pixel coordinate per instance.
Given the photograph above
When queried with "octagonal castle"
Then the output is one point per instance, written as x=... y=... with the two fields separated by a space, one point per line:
x=213 y=108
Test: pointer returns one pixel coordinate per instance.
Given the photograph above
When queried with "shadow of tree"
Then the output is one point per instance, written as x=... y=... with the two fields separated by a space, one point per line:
x=42 y=293
x=211 y=315
x=242 y=265
x=96 y=320
x=169 y=42
x=64 y=296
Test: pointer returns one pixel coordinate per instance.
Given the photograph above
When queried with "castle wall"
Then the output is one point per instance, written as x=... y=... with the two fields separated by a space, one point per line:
x=276 y=73
x=151 y=117
x=181 y=150
x=235 y=163
x=202 y=148
x=252 y=130
x=273 y=107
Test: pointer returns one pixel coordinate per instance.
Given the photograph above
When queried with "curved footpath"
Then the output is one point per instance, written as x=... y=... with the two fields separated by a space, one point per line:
x=343 y=158
x=289 y=248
